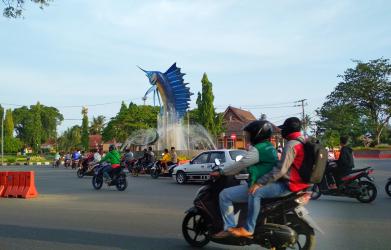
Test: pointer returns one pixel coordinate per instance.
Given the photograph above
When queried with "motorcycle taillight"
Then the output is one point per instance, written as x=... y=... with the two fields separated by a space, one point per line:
x=304 y=199
x=371 y=171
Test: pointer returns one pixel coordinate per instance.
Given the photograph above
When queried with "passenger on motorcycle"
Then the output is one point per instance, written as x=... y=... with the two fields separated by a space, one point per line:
x=259 y=160
x=128 y=155
x=282 y=179
x=114 y=158
x=174 y=156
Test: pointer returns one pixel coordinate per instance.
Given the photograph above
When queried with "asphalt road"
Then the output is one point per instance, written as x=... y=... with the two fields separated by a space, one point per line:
x=70 y=214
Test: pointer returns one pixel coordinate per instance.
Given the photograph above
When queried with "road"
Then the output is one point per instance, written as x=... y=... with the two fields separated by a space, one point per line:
x=69 y=214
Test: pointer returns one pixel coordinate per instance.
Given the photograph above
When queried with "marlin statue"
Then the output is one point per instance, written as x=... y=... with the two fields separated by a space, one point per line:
x=172 y=90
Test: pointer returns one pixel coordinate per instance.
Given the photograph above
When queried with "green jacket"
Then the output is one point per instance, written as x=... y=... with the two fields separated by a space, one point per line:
x=112 y=157
x=267 y=160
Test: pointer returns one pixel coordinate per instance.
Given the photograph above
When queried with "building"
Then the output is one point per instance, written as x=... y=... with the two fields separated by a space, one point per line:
x=234 y=120
x=94 y=141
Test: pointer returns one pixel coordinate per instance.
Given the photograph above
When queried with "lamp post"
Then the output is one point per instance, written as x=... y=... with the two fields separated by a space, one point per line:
x=2 y=138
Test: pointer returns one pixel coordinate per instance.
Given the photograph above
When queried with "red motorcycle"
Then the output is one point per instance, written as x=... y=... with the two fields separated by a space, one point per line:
x=358 y=184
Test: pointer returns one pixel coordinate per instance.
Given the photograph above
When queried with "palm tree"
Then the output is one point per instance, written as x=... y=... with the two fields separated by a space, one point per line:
x=97 y=125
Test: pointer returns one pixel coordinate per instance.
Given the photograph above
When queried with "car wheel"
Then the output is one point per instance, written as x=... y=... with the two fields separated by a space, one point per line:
x=181 y=177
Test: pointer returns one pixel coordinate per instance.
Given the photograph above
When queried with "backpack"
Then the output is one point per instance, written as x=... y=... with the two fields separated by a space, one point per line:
x=314 y=163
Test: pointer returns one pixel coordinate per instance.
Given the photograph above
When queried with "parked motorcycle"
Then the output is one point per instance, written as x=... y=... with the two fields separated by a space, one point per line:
x=284 y=223
x=158 y=170
x=358 y=184
x=388 y=187
x=118 y=178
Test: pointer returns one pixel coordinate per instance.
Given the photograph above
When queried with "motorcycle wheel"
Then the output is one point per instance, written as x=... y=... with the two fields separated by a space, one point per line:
x=97 y=181
x=315 y=192
x=305 y=234
x=122 y=183
x=388 y=188
x=80 y=173
x=369 y=194
x=154 y=173
x=194 y=230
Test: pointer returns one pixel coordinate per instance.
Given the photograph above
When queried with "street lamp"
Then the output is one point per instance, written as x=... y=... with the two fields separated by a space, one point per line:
x=2 y=138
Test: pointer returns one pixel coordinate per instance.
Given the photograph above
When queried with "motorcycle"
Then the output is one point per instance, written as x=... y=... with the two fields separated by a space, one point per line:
x=358 y=184
x=67 y=163
x=75 y=164
x=388 y=187
x=285 y=223
x=85 y=169
x=118 y=178
x=158 y=170
x=56 y=163
x=133 y=166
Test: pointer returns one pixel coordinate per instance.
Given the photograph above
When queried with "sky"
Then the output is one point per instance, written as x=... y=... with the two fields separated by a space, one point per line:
x=259 y=55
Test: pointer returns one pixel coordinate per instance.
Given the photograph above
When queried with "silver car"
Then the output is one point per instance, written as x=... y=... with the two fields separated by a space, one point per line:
x=198 y=169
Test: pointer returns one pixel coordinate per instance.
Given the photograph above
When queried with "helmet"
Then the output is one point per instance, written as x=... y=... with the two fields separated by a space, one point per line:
x=291 y=125
x=259 y=131
x=112 y=147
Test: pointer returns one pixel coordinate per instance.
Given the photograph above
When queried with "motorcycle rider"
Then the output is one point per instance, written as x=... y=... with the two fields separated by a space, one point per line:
x=114 y=158
x=151 y=155
x=165 y=160
x=345 y=162
x=282 y=179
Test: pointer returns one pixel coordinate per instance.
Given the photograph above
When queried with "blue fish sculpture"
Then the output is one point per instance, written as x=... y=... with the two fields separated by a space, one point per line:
x=172 y=90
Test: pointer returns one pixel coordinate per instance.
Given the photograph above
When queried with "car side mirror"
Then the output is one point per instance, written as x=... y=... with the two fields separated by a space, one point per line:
x=217 y=162
x=239 y=157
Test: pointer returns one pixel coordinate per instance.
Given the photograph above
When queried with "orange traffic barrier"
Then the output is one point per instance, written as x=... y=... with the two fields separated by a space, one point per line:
x=3 y=182
x=19 y=185
x=12 y=184
x=29 y=190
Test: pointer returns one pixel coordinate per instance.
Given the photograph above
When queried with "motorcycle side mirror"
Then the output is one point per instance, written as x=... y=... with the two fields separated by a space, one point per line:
x=217 y=162
x=239 y=157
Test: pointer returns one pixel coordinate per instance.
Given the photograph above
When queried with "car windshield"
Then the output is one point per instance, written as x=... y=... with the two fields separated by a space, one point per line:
x=235 y=153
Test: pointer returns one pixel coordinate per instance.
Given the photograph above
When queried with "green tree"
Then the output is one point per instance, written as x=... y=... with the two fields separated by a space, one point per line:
x=206 y=111
x=367 y=88
x=340 y=120
x=9 y=124
x=84 y=127
x=15 y=8
x=97 y=125
x=130 y=119
x=70 y=139
x=37 y=124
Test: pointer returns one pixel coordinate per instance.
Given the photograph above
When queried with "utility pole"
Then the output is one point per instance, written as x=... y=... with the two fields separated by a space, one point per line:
x=2 y=138
x=302 y=104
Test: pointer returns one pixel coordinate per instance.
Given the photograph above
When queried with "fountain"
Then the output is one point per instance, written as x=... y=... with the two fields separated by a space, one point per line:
x=173 y=98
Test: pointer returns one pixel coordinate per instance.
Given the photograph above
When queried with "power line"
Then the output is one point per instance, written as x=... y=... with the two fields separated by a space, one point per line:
x=74 y=106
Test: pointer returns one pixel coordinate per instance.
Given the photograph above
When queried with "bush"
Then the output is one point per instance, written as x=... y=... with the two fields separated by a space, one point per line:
x=11 y=160
x=382 y=146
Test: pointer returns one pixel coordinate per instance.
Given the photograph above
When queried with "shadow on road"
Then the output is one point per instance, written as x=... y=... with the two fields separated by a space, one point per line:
x=108 y=240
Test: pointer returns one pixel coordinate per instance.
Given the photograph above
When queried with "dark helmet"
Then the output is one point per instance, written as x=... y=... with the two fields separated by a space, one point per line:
x=259 y=131
x=112 y=147
x=291 y=125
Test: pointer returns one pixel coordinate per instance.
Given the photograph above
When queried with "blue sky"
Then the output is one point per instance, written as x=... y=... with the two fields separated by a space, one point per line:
x=80 y=52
